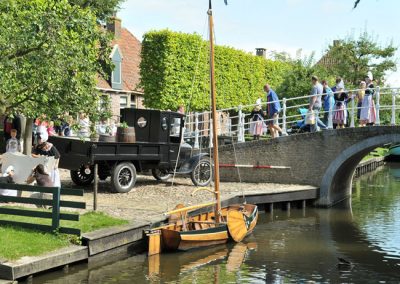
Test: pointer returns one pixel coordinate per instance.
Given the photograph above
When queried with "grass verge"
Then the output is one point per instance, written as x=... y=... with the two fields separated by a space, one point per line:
x=378 y=152
x=17 y=242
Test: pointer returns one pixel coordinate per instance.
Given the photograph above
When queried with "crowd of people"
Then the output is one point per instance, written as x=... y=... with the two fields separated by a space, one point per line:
x=42 y=129
x=333 y=100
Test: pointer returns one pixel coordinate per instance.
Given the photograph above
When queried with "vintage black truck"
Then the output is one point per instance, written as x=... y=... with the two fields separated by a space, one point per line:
x=157 y=148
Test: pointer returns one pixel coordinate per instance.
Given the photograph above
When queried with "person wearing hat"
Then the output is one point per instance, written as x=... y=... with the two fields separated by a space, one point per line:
x=368 y=111
x=257 y=122
x=7 y=177
x=44 y=148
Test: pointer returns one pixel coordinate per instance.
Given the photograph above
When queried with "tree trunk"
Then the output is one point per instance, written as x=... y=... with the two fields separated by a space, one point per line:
x=28 y=136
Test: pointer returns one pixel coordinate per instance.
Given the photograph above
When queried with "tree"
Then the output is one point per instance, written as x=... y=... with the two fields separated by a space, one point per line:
x=353 y=58
x=50 y=54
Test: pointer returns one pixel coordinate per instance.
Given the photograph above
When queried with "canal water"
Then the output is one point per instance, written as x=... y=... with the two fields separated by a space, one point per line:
x=357 y=242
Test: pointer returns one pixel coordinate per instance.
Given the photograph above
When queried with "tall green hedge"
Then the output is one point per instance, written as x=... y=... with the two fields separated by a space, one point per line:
x=175 y=70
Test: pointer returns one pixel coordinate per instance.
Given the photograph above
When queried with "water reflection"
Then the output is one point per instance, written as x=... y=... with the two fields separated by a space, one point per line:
x=357 y=242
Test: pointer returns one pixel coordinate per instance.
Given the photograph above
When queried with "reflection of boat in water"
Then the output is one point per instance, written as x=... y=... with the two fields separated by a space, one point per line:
x=393 y=154
x=186 y=232
x=169 y=266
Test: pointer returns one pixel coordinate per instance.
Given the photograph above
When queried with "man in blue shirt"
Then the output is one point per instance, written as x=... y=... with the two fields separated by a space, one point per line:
x=273 y=109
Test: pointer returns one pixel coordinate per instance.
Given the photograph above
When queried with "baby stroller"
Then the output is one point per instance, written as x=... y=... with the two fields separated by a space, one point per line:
x=300 y=126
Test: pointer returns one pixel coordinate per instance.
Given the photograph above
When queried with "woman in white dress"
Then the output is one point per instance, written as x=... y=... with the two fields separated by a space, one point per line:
x=368 y=111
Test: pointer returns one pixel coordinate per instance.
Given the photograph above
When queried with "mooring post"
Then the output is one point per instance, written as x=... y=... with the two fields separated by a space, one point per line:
x=271 y=208
x=377 y=121
x=393 y=120
x=196 y=131
x=284 y=115
x=288 y=209
x=96 y=183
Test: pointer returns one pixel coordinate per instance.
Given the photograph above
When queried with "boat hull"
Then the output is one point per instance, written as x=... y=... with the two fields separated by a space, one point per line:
x=394 y=154
x=185 y=240
x=197 y=231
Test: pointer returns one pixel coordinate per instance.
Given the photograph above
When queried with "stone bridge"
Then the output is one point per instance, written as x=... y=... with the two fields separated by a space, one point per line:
x=325 y=159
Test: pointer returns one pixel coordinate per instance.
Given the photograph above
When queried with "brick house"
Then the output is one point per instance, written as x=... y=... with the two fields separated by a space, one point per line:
x=122 y=85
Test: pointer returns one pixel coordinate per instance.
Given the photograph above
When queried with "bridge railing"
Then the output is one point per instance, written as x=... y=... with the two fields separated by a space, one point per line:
x=235 y=122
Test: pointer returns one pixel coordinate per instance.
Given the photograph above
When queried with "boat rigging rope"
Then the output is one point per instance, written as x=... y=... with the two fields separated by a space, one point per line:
x=238 y=170
x=188 y=111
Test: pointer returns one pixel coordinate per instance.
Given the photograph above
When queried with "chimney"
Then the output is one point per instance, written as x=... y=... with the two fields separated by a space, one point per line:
x=261 y=52
x=114 y=26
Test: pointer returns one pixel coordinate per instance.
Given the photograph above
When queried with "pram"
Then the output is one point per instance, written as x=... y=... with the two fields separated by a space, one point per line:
x=300 y=126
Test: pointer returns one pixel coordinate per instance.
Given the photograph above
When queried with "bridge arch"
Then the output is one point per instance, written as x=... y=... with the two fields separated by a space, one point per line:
x=337 y=179
x=326 y=159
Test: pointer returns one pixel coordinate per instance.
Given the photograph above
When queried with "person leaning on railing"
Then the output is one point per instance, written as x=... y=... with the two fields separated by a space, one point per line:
x=42 y=179
x=44 y=148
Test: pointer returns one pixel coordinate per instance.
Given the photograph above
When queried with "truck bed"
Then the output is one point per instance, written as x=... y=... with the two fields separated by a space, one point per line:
x=75 y=152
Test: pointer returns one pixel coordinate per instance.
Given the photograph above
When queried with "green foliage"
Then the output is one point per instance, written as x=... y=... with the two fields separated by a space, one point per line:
x=102 y=9
x=49 y=57
x=175 y=71
x=352 y=59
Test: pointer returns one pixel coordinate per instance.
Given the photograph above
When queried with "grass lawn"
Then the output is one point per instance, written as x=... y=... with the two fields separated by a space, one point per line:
x=17 y=242
x=378 y=152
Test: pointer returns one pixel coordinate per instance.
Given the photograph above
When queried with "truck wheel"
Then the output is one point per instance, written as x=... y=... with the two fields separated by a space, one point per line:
x=123 y=177
x=83 y=176
x=161 y=175
x=202 y=173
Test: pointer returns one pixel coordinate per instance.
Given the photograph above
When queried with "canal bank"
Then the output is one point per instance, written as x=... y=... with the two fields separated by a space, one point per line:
x=369 y=165
x=303 y=247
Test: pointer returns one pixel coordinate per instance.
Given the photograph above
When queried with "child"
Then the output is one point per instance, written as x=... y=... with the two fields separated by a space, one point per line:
x=50 y=129
x=257 y=122
x=13 y=145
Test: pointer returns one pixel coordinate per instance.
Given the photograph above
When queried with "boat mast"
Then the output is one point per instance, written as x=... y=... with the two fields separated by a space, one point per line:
x=214 y=116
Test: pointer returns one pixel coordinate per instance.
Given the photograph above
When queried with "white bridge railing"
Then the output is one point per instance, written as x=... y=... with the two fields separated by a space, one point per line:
x=235 y=122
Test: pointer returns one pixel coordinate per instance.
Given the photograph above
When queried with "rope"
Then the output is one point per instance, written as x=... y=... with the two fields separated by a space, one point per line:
x=188 y=110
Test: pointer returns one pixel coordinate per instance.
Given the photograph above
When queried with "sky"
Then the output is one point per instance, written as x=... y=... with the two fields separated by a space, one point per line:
x=280 y=25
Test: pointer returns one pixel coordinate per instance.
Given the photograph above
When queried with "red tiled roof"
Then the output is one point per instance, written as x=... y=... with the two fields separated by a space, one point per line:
x=130 y=48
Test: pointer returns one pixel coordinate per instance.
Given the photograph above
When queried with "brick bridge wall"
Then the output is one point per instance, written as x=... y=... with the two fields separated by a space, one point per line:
x=325 y=159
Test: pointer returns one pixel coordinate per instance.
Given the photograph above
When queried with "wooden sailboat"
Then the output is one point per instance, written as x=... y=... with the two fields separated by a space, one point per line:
x=186 y=231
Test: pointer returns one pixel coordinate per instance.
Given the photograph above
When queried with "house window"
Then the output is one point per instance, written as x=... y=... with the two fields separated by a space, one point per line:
x=116 y=74
x=133 y=101
x=123 y=101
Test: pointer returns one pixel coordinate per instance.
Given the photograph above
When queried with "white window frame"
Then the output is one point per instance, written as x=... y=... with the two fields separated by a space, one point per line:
x=126 y=100
x=117 y=65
